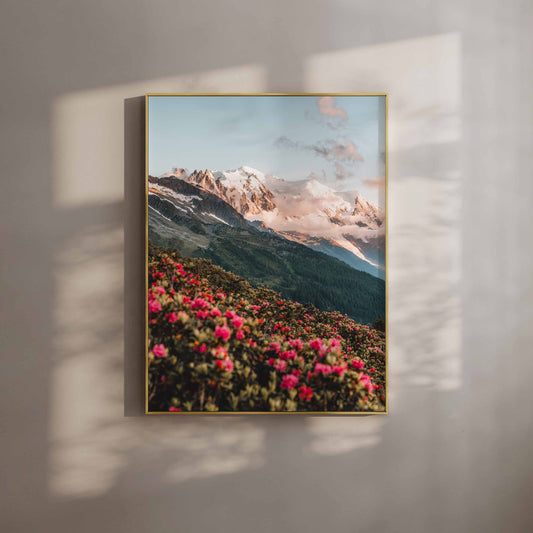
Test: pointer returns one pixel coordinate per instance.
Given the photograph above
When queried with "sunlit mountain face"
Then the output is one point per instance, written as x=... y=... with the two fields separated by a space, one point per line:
x=344 y=225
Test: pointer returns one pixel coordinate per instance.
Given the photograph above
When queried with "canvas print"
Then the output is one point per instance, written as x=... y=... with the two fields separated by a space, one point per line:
x=266 y=222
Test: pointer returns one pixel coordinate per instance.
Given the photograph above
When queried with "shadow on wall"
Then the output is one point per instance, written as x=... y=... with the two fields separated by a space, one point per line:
x=96 y=451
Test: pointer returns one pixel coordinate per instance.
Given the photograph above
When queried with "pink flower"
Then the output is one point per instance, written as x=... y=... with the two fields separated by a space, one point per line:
x=339 y=369
x=220 y=352
x=289 y=381
x=226 y=364
x=230 y=314
x=215 y=312
x=256 y=307
x=154 y=306
x=271 y=361
x=159 y=350
x=276 y=346
x=335 y=344
x=367 y=382
x=316 y=344
x=322 y=369
x=237 y=322
x=158 y=290
x=174 y=409
x=186 y=300
x=203 y=348
x=306 y=393
x=221 y=295
x=202 y=314
x=296 y=343
x=223 y=332
x=281 y=365
x=199 y=303
x=239 y=335
x=289 y=354
x=173 y=317
x=356 y=363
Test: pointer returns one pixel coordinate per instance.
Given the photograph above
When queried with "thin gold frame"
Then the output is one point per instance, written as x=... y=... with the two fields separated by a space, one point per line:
x=146 y=340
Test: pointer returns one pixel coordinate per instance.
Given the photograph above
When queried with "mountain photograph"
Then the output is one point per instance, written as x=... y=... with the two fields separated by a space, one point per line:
x=266 y=284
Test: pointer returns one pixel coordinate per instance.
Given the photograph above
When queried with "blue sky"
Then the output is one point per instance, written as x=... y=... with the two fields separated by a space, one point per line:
x=338 y=140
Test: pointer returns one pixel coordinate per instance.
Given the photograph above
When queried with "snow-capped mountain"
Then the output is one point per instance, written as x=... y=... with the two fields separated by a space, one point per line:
x=243 y=188
x=305 y=211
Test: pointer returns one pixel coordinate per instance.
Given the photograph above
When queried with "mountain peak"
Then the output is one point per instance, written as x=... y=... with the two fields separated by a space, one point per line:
x=176 y=172
x=249 y=170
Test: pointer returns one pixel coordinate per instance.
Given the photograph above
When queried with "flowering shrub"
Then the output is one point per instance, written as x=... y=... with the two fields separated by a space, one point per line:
x=218 y=344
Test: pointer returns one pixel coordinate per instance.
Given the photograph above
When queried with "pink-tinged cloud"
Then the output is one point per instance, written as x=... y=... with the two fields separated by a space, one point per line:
x=342 y=153
x=338 y=151
x=327 y=105
x=375 y=183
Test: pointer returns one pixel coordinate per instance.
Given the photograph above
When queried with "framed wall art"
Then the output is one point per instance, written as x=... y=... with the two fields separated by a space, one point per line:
x=266 y=253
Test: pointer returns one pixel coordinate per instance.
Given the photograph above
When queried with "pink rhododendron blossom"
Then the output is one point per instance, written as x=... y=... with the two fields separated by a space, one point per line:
x=306 y=393
x=339 y=369
x=322 y=369
x=356 y=363
x=222 y=332
x=174 y=409
x=367 y=382
x=289 y=354
x=154 y=306
x=316 y=344
x=271 y=361
x=199 y=303
x=237 y=322
x=281 y=365
x=289 y=381
x=186 y=300
x=296 y=343
x=239 y=335
x=221 y=295
x=159 y=350
x=256 y=307
x=220 y=352
x=226 y=364
x=215 y=312
x=230 y=314
x=276 y=346
x=335 y=344
x=158 y=290
x=202 y=314
x=173 y=317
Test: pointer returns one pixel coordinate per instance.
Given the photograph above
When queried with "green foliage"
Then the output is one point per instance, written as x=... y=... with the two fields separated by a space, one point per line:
x=264 y=258
x=219 y=344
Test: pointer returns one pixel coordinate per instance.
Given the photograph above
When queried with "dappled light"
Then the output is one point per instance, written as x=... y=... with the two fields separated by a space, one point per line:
x=95 y=450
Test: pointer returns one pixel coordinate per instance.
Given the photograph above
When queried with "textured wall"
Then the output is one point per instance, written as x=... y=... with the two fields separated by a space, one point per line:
x=455 y=452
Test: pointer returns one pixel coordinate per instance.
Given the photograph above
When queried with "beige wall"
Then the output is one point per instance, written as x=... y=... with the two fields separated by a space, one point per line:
x=455 y=452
